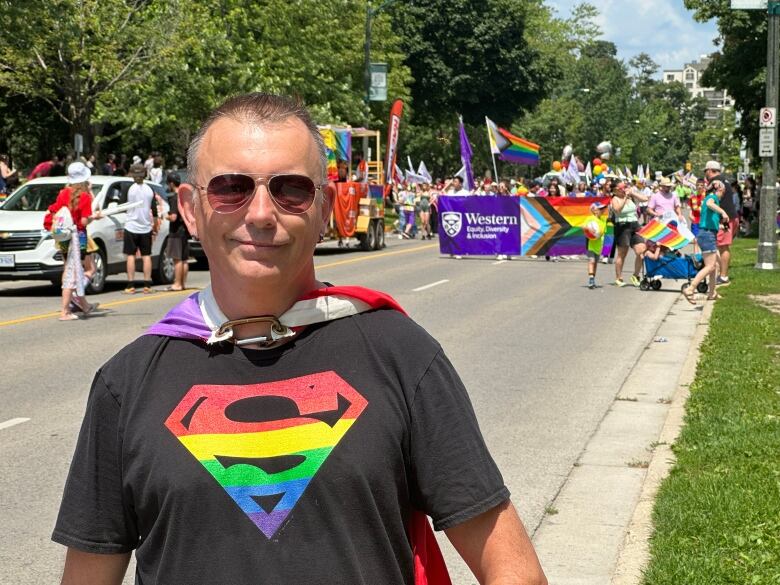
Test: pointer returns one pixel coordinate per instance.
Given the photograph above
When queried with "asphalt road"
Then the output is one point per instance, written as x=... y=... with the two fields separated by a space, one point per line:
x=542 y=356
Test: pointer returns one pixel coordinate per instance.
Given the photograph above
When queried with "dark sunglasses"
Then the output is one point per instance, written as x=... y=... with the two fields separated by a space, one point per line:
x=230 y=192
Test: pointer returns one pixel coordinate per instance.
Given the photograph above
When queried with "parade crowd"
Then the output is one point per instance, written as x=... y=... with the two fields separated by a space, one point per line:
x=680 y=199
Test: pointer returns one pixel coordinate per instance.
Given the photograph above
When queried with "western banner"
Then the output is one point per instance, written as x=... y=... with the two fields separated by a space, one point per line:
x=481 y=226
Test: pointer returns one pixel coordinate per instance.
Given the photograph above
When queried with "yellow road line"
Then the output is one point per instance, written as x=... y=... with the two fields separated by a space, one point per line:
x=102 y=306
x=174 y=293
x=376 y=256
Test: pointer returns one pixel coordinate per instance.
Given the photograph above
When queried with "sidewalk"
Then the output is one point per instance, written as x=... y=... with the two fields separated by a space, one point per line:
x=596 y=530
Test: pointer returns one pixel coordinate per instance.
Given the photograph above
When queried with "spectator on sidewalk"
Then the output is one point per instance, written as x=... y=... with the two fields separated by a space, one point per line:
x=178 y=236
x=140 y=227
x=710 y=223
x=713 y=172
x=43 y=168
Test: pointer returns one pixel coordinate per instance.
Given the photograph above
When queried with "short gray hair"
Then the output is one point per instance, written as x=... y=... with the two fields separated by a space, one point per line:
x=259 y=108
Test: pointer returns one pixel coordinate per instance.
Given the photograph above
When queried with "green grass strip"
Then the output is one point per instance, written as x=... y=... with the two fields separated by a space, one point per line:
x=717 y=515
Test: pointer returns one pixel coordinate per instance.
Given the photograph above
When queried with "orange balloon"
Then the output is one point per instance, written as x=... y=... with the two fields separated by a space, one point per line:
x=556 y=165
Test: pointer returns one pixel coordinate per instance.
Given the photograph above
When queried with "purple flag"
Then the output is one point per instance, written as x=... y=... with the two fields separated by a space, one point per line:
x=465 y=156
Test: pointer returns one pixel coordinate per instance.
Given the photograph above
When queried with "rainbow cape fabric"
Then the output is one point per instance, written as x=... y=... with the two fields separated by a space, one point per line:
x=552 y=226
x=663 y=235
x=517 y=150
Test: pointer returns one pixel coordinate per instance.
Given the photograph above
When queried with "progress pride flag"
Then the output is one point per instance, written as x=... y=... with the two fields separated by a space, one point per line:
x=479 y=226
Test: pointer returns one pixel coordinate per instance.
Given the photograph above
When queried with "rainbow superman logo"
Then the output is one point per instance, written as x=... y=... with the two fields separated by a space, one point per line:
x=264 y=443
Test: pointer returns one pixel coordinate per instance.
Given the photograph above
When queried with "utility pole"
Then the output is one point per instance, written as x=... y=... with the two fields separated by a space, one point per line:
x=367 y=74
x=767 y=235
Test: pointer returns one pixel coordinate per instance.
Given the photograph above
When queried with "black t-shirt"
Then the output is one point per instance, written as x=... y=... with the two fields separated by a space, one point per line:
x=300 y=464
x=727 y=202
x=177 y=228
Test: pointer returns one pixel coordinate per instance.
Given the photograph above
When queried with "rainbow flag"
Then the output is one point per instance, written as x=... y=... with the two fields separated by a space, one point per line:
x=511 y=148
x=265 y=463
x=552 y=226
x=663 y=235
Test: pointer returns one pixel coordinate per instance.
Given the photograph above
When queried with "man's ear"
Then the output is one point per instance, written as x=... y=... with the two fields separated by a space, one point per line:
x=186 y=200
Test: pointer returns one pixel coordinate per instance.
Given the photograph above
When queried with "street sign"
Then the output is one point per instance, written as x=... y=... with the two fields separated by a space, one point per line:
x=378 y=89
x=748 y=4
x=767 y=118
x=766 y=143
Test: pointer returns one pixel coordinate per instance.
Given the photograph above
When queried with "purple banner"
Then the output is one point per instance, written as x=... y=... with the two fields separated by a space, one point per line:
x=479 y=226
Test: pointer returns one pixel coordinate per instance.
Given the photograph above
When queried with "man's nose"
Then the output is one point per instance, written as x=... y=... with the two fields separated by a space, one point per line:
x=261 y=210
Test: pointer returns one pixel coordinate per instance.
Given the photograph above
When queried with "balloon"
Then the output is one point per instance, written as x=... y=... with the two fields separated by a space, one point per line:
x=556 y=165
x=567 y=152
x=596 y=161
x=522 y=191
x=604 y=147
x=597 y=169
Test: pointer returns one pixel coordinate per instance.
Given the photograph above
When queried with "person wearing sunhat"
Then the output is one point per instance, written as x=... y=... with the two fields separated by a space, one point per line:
x=77 y=197
x=664 y=204
x=140 y=226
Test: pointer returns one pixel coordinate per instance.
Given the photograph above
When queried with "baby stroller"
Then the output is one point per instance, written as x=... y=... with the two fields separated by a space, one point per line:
x=673 y=266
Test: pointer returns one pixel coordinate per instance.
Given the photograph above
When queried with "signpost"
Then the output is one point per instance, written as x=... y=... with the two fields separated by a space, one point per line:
x=377 y=91
x=767 y=118
x=767 y=142
x=78 y=144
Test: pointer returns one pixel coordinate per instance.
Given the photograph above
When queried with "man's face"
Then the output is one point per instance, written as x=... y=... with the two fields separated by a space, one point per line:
x=456 y=182
x=259 y=243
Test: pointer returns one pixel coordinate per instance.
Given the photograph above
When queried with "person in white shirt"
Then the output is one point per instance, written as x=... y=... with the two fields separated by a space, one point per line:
x=141 y=225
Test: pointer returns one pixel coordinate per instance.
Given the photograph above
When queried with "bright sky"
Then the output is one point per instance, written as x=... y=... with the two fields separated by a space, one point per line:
x=664 y=29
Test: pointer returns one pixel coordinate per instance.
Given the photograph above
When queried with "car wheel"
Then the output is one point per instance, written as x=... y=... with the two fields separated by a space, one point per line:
x=165 y=266
x=98 y=281
x=379 y=237
x=363 y=239
x=371 y=236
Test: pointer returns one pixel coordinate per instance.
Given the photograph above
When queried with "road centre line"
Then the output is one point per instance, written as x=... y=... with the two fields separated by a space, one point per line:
x=141 y=299
x=376 y=256
x=497 y=262
x=427 y=286
x=190 y=291
x=12 y=422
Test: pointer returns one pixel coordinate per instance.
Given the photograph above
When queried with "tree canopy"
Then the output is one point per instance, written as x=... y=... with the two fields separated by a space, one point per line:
x=137 y=75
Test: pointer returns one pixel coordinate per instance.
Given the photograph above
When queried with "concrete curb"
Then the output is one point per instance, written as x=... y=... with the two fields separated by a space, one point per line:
x=635 y=552
x=596 y=530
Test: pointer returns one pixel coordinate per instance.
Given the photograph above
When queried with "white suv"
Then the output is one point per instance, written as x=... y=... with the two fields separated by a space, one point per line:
x=27 y=250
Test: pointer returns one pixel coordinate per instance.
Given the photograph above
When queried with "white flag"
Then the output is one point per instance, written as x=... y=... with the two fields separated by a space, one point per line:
x=495 y=137
x=572 y=174
x=640 y=172
x=423 y=172
x=588 y=173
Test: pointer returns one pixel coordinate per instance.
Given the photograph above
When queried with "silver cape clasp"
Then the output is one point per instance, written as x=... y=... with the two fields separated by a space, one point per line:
x=278 y=331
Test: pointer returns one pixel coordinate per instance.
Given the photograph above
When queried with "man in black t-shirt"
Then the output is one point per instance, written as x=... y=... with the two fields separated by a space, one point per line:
x=273 y=429
x=178 y=237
